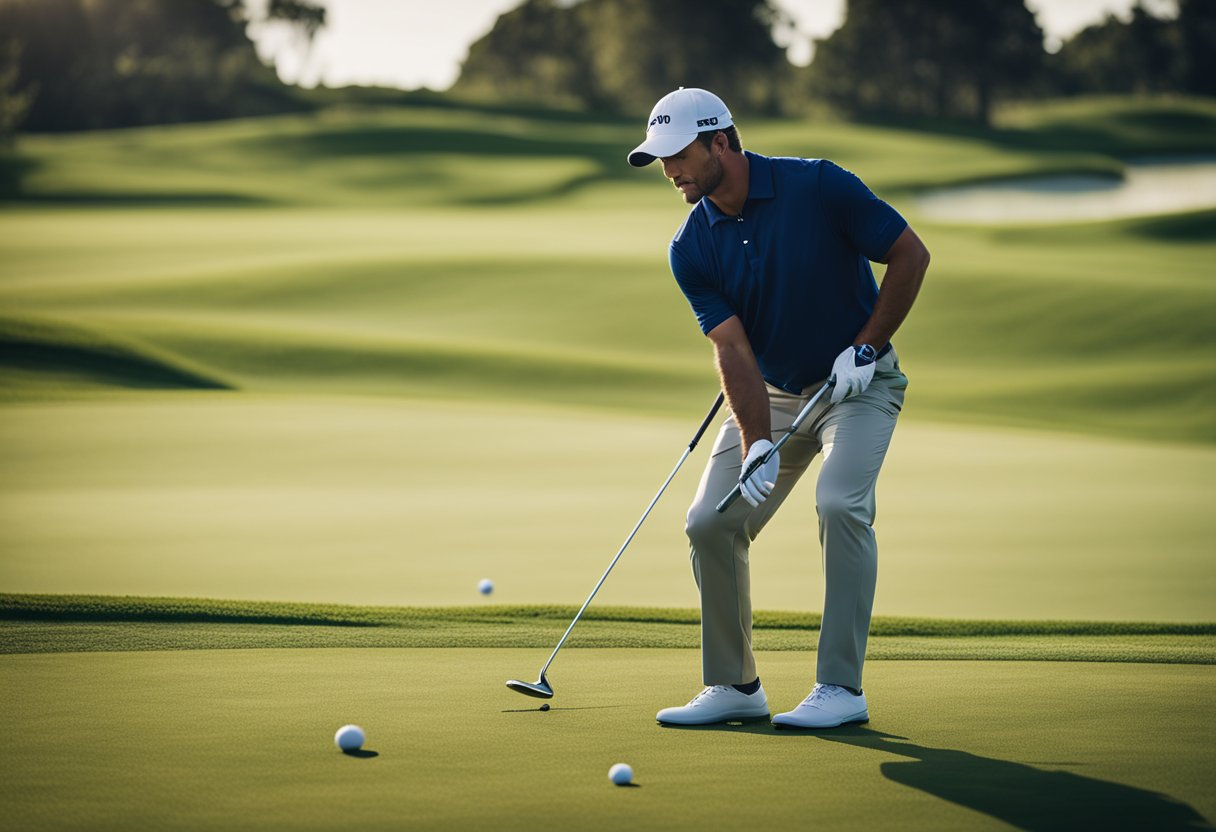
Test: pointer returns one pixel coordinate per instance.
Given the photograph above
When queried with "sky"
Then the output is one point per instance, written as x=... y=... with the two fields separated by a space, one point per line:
x=417 y=43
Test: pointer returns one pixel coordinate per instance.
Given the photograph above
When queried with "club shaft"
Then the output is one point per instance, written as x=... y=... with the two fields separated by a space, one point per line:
x=736 y=492
x=691 y=445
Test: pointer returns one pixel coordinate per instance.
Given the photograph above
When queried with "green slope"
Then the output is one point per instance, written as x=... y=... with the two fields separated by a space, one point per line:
x=61 y=623
x=39 y=352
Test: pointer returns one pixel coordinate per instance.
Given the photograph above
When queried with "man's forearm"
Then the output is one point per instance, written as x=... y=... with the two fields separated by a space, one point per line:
x=746 y=393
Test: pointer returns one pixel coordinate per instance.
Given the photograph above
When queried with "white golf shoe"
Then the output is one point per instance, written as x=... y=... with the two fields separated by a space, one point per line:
x=717 y=703
x=827 y=706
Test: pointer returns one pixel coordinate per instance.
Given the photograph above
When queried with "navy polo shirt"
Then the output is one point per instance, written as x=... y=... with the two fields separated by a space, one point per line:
x=794 y=266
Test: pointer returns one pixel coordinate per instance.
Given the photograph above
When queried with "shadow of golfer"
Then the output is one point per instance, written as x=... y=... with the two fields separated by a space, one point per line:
x=1021 y=795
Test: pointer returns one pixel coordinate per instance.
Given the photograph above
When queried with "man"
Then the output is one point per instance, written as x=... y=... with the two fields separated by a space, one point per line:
x=774 y=259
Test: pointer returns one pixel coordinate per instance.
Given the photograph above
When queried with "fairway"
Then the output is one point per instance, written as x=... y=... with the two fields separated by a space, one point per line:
x=335 y=368
x=298 y=498
x=243 y=738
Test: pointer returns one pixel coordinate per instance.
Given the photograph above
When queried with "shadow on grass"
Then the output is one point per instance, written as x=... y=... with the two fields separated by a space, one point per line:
x=1018 y=794
x=16 y=169
x=102 y=363
x=760 y=725
x=1196 y=227
x=554 y=710
x=1122 y=129
x=362 y=753
x=135 y=199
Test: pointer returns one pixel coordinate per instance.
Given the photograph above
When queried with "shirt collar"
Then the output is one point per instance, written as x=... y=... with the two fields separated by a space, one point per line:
x=759 y=185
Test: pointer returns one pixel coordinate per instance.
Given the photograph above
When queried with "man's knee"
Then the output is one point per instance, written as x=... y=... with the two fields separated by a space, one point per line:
x=704 y=524
x=837 y=506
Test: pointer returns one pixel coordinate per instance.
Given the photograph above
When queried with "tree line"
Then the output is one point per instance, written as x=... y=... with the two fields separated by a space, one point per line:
x=912 y=58
x=78 y=64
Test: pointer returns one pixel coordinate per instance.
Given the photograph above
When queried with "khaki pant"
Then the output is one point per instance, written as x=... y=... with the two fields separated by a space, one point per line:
x=853 y=436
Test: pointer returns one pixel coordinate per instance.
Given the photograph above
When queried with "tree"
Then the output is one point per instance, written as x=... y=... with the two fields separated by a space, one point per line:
x=111 y=63
x=1197 y=37
x=1142 y=55
x=623 y=55
x=927 y=58
x=640 y=50
x=14 y=101
x=532 y=53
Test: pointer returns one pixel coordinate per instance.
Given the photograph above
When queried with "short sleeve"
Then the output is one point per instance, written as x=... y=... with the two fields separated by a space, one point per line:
x=707 y=302
x=869 y=224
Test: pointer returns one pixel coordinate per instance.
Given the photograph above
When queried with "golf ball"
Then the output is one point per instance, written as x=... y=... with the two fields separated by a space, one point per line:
x=486 y=586
x=621 y=774
x=349 y=738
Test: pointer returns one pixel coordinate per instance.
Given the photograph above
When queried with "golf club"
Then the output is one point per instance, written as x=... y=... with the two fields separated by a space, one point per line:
x=541 y=687
x=735 y=493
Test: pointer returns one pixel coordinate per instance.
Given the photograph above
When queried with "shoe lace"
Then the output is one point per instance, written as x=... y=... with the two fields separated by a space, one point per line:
x=706 y=694
x=821 y=694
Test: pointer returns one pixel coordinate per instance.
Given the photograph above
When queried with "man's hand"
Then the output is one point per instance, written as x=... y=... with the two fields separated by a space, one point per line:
x=853 y=371
x=758 y=485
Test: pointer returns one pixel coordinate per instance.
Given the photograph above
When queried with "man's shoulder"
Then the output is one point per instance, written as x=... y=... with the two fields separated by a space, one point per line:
x=798 y=167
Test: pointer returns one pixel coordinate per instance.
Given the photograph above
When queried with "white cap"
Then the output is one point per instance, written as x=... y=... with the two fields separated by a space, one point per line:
x=676 y=120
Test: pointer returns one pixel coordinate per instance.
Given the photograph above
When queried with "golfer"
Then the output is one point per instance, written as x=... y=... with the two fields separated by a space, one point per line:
x=774 y=259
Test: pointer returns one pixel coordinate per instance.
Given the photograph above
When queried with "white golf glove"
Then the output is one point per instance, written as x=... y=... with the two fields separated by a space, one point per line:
x=853 y=371
x=756 y=488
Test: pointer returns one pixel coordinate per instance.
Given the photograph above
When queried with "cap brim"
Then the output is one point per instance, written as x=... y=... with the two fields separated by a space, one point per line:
x=656 y=147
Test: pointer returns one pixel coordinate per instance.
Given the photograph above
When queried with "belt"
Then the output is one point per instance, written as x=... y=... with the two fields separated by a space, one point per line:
x=806 y=391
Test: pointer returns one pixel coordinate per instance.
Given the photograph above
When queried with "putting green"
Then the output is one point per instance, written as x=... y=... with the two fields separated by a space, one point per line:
x=223 y=739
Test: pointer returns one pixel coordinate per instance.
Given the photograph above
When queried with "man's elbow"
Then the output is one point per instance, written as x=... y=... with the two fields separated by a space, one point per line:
x=916 y=252
x=922 y=258
x=908 y=253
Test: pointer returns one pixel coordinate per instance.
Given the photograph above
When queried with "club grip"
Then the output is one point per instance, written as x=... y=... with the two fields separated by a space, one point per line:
x=713 y=411
x=737 y=492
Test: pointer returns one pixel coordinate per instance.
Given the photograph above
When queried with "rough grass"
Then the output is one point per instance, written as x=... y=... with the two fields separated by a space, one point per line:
x=70 y=623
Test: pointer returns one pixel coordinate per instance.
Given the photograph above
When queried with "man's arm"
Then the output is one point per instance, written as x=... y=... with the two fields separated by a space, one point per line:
x=742 y=383
x=906 y=260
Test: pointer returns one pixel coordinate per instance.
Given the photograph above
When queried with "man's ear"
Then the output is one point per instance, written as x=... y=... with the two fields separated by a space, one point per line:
x=721 y=144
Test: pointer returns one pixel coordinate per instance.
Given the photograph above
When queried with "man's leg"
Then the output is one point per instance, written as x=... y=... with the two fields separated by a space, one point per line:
x=720 y=543
x=855 y=435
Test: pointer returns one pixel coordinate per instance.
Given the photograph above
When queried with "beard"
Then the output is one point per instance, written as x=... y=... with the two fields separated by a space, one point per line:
x=704 y=185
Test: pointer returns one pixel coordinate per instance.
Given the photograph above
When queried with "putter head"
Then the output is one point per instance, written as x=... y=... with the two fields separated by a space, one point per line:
x=541 y=689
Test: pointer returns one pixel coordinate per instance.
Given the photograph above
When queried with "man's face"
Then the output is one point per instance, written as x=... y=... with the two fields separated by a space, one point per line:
x=696 y=171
